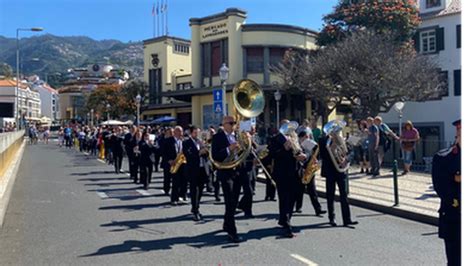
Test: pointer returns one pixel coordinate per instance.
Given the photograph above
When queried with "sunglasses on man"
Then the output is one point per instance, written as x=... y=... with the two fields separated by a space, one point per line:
x=231 y=123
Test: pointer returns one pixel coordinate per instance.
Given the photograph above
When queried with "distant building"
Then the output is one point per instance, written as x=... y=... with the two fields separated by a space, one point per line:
x=182 y=74
x=81 y=81
x=29 y=101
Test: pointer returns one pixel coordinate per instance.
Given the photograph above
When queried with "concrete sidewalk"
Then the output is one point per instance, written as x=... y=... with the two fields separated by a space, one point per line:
x=417 y=199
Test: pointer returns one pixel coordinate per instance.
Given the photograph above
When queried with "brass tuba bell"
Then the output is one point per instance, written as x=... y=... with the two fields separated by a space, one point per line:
x=336 y=145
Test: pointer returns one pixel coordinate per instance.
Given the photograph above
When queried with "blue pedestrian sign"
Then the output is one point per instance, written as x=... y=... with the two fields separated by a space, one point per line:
x=217 y=95
x=217 y=107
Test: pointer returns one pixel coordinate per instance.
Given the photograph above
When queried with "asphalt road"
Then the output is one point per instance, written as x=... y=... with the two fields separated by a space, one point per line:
x=70 y=209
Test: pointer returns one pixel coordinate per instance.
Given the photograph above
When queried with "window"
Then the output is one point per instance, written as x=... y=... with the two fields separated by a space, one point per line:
x=255 y=60
x=433 y=3
x=181 y=48
x=184 y=86
x=443 y=79
x=276 y=55
x=458 y=36
x=428 y=41
x=457 y=82
x=216 y=58
x=213 y=55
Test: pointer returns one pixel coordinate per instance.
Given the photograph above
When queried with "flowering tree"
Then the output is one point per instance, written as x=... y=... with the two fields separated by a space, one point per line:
x=398 y=17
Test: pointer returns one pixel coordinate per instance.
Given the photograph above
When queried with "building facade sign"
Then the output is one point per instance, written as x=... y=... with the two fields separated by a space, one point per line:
x=214 y=31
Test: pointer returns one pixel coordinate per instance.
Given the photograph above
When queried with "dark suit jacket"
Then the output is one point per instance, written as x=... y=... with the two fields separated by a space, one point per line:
x=328 y=169
x=127 y=141
x=446 y=165
x=219 y=146
x=285 y=165
x=146 y=153
x=116 y=144
x=193 y=159
x=169 y=151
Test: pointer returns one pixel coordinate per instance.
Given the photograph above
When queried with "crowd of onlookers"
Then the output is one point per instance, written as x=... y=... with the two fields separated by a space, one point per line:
x=373 y=139
x=8 y=127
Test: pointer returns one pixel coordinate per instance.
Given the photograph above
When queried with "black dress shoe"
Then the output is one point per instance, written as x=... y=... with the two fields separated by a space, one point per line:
x=249 y=216
x=196 y=217
x=320 y=212
x=351 y=223
x=218 y=199
x=299 y=211
x=332 y=223
x=288 y=233
x=234 y=238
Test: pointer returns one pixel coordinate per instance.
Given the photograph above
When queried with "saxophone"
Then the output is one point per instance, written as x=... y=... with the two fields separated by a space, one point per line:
x=180 y=159
x=312 y=167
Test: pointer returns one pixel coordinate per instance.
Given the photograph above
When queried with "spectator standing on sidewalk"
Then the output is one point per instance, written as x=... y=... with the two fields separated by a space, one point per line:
x=361 y=149
x=446 y=174
x=384 y=142
x=373 y=145
x=408 y=139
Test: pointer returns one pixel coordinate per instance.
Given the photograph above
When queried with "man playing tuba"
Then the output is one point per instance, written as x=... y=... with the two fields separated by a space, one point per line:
x=224 y=144
x=287 y=155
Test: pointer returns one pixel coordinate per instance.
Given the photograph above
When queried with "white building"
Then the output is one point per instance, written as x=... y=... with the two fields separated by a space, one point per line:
x=29 y=102
x=439 y=35
x=49 y=101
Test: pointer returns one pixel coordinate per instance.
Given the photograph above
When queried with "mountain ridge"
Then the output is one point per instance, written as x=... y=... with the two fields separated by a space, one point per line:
x=47 y=54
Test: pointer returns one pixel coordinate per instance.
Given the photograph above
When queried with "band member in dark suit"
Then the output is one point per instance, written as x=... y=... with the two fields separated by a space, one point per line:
x=446 y=174
x=224 y=144
x=164 y=162
x=116 y=144
x=286 y=163
x=172 y=147
x=135 y=164
x=309 y=146
x=146 y=159
x=127 y=141
x=244 y=173
x=156 y=162
x=194 y=151
x=212 y=172
x=270 y=189
x=333 y=177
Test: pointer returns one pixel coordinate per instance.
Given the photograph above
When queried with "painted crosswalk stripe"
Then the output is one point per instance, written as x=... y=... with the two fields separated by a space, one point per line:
x=143 y=192
x=102 y=195
x=100 y=160
x=304 y=260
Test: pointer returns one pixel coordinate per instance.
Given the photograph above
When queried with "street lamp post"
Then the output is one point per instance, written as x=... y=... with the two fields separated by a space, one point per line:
x=277 y=99
x=138 y=99
x=18 y=71
x=224 y=75
x=108 y=112
x=399 y=108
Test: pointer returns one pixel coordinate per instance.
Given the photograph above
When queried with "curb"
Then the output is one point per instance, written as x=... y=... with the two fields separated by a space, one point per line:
x=6 y=186
x=392 y=210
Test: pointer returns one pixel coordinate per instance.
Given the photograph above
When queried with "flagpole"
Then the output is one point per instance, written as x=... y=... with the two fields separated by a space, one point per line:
x=162 y=18
x=158 y=20
x=166 y=8
x=154 y=18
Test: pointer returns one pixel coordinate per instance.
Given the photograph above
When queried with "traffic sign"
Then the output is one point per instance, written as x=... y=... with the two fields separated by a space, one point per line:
x=217 y=95
x=217 y=107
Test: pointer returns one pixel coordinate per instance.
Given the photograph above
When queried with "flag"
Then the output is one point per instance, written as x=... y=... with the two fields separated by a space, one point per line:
x=153 y=10
x=163 y=7
x=158 y=8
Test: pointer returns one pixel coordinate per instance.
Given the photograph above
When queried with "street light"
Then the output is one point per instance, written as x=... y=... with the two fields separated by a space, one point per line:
x=277 y=95
x=399 y=108
x=18 y=70
x=224 y=75
x=138 y=99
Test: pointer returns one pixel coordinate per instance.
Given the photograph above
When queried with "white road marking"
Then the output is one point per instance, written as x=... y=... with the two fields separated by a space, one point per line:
x=143 y=192
x=100 y=160
x=162 y=191
x=102 y=195
x=127 y=174
x=304 y=260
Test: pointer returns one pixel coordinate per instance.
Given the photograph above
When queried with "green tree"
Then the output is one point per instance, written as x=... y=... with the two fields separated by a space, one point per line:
x=397 y=17
x=6 y=70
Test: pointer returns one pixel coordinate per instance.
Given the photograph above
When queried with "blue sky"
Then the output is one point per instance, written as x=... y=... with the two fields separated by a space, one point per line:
x=131 y=20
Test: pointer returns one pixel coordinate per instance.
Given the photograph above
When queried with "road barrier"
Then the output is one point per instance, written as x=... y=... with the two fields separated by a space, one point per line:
x=9 y=144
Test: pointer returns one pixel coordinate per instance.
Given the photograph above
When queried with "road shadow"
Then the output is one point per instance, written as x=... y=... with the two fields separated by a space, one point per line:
x=92 y=173
x=137 y=207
